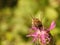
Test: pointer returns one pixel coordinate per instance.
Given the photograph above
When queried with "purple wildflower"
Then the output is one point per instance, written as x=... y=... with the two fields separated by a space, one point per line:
x=41 y=35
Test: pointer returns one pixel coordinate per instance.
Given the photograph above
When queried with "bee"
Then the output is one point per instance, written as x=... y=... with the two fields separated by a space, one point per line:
x=37 y=23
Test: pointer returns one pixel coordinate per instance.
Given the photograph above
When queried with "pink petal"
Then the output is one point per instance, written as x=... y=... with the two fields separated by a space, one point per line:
x=28 y=36
x=34 y=28
x=34 y=39
x=52 y=25
x=32 y=35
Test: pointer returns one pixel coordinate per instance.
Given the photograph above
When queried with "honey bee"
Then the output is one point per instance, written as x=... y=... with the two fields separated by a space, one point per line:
x=37 y=23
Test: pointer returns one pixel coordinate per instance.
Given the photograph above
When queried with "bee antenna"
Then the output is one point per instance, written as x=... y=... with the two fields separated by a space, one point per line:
x=32 y=16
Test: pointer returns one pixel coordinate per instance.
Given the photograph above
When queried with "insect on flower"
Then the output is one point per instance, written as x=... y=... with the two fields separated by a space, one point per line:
x=38 y=32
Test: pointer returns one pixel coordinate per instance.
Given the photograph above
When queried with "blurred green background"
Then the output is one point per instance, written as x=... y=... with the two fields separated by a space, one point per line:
x=15 y=19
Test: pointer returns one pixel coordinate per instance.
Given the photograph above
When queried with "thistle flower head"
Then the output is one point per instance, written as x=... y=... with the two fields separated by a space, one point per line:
x=42 y=35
